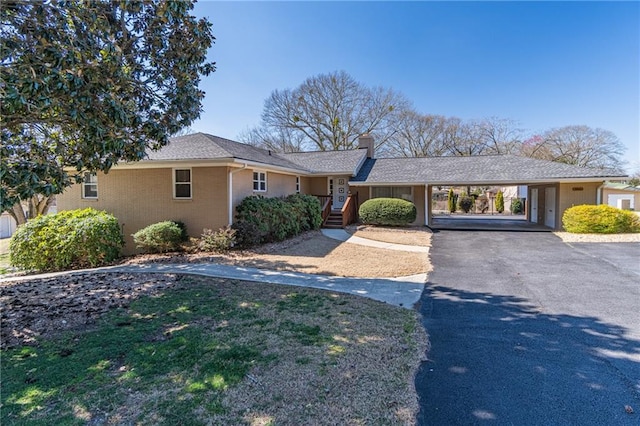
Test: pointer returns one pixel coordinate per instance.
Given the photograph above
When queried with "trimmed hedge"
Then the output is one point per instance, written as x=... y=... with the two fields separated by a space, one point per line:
x=262 y=220
x=69 y=239
x=601 y=219
x=387 y=211
x=159 y=237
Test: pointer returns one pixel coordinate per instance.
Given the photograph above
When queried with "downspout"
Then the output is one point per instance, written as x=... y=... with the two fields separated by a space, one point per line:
x=230 y=191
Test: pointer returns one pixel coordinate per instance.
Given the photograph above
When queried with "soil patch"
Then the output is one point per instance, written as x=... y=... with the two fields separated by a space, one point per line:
x=568 y=237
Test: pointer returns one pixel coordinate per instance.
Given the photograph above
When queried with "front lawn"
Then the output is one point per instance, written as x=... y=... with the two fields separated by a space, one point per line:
x=201 y=350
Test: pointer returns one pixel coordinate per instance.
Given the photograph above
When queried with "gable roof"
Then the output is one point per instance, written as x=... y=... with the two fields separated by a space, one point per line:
x=327 y=162
x=488 y=169
x=201 y=146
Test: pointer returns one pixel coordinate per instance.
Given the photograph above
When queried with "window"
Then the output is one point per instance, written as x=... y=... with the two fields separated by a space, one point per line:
x=90 y=186
x=182 y=183
x=330 y=186
x=403 y=192
x=260 y=181
x=297 y=184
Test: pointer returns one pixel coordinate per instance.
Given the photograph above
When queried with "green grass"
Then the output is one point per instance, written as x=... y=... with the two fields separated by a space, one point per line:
x=5 y=266
x=169 y=345
x=213 y=351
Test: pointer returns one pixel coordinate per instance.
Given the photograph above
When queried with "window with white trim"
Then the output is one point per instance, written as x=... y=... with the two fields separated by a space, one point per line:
x=404 y=192
x=90 y=186
x=297 y=184
x=182 y=183
x=260 y=181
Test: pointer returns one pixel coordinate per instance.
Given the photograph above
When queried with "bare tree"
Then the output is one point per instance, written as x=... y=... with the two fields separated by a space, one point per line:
x=578 y=145
x=330 y=112
x=499 y=135
x=462 y=138
x=277 y=140
x=417 y=135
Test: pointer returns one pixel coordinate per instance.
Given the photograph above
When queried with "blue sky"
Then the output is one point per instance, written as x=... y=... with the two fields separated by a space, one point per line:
x=542 y=64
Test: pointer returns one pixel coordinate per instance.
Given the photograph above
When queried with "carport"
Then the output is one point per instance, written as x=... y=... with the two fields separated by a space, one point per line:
x=551 y=187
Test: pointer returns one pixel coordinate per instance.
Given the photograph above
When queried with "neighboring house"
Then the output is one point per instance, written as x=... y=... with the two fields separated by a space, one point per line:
x=200 y=179
x=511 y=193
x=621 y=195
x=7 y=225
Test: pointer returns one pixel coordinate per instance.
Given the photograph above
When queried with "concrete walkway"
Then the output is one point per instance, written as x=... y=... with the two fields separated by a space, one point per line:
x=403 y=291
x=342 y=235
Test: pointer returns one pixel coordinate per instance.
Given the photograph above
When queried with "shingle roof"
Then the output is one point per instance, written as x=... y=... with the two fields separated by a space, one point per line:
x=471 y=170
x=434 y=170
x=201 y=146
x=329 y=161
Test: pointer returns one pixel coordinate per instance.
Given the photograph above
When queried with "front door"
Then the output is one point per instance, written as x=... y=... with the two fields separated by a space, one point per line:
x=550 y=207
x=340 y=187
x=534 y=206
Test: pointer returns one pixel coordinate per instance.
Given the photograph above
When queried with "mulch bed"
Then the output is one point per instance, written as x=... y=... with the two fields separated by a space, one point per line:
x=41 y=308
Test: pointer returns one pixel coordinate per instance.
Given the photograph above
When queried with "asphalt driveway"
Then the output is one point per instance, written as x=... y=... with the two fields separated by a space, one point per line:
x=528 y=330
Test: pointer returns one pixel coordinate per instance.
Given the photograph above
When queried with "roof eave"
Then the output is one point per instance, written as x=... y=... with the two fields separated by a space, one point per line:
x=510 y=182
x=205 y=162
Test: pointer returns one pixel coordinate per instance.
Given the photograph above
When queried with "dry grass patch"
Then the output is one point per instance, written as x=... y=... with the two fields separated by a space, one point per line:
x=314 y=253
x=212 y=351
x=407 y=236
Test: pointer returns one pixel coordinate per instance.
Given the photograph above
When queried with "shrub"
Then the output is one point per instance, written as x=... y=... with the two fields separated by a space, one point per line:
x=69 y=239
x=517 y=207
x=308 y=209
x=224 y=239
x=184 y=235
x=452 y=201
x=500 y=202
x=387 y=211
x=602 y=219
x=248 y=234
x=159 y=237
x=466 y=203
x=261 y=220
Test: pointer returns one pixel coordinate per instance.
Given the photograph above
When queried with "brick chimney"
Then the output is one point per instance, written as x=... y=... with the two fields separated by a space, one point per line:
x=366 y=141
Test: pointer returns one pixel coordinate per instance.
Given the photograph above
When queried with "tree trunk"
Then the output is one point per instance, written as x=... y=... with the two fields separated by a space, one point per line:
x=35 y=206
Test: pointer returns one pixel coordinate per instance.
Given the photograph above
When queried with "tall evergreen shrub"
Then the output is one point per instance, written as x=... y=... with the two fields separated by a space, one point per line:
x=499 y=202
x=452 y=201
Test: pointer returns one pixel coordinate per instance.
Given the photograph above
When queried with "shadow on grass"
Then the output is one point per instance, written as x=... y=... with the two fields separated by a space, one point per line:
x=498 y=359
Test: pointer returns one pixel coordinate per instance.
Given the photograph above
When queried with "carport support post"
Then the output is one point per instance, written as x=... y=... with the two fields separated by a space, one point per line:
x=427 y=205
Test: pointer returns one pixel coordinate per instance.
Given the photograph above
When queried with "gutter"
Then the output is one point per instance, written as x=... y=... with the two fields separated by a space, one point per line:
x=230 y=190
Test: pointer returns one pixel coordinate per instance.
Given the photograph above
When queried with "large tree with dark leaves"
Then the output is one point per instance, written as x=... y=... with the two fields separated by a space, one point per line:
x=87 y=84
